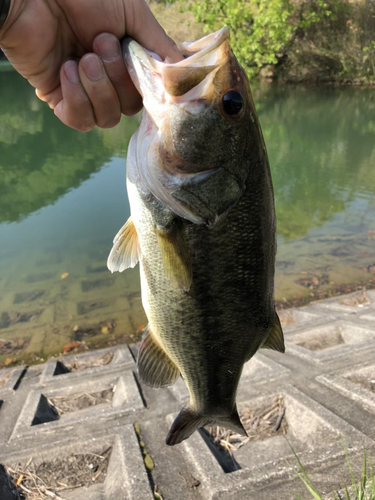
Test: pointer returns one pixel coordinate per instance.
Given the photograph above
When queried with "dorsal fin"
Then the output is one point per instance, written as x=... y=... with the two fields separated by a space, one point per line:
x=176 y=257
x=126 y=251
x=275 y=339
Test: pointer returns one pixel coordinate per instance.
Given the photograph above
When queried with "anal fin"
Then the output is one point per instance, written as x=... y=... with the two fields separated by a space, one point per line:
x=155 y=368
x=176 y=258
x=126 y=251
x=275 y=339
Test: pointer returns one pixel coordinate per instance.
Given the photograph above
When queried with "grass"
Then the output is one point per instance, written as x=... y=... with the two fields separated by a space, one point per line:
x=362 y=488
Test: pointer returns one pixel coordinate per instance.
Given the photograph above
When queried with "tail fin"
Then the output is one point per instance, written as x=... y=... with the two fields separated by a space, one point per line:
x=188 y=421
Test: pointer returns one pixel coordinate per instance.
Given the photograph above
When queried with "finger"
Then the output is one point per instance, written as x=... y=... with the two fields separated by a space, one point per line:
x=147 y=31
x=51 y=98
x=74 y=109
x=108 y=48
x=99 y=89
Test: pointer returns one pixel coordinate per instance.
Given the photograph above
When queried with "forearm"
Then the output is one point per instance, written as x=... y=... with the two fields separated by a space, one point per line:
x=4 y=10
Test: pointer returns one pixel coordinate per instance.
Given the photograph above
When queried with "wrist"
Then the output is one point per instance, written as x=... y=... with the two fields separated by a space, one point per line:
x=4 y=11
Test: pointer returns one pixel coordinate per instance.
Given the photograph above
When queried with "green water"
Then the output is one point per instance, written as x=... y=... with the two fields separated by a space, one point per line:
x=63 y=198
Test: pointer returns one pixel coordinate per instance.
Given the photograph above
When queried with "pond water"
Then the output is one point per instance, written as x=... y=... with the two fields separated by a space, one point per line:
x=63 y=198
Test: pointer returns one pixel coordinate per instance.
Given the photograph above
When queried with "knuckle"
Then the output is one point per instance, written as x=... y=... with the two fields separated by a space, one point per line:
x=131 y=109
x=131 y=105
x=109 y=121
x=81 y=117
x=83 y=126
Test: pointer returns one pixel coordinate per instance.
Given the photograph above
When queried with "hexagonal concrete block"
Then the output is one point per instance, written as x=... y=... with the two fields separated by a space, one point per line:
x=92 y=363
x=48 y=411
x=10 y=378
x=361 y=302
x=330 y=341
x=356 y=383
x=313 y=431
x=294 y=319
x=121 y=473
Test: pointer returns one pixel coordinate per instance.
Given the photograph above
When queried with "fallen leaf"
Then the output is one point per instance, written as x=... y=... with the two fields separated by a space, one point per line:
x=105 y=329
x=71 y=346
x=157 y=495
x=8 y=361
x=64 y=275
x=149 y=463
x=137 y=428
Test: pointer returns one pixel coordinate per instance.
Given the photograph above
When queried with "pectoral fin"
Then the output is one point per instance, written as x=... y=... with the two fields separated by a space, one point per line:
x=275 y=339
x=155 y=368
x=176 y=257
x=126 y=251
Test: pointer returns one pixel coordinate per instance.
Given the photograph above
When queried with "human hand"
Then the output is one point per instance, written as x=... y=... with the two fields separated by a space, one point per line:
x=69 y=51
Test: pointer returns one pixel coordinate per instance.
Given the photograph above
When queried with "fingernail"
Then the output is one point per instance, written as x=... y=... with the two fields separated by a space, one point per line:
x=92 y=67
x=71 y=71
x=109 y=47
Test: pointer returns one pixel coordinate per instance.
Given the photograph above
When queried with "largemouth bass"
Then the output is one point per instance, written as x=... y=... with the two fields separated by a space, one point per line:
x=202 y=227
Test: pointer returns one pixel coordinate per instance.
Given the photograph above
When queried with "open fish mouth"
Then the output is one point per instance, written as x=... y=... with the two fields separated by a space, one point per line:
x=161 y=82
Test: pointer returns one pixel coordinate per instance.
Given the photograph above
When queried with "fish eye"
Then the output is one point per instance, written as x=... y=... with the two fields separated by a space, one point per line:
x=232 y=102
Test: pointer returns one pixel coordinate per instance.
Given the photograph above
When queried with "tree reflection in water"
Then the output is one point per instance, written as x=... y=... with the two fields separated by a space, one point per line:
x=40 y=158
x=321 y=144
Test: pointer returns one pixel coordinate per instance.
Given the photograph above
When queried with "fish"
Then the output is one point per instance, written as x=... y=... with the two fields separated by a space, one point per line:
x=202 y=227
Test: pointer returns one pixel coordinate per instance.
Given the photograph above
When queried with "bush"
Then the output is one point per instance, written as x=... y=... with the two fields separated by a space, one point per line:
x=263 y=30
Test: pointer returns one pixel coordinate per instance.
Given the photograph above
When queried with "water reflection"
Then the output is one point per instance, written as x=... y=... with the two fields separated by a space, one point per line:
x=321 y=144
x=40 y=158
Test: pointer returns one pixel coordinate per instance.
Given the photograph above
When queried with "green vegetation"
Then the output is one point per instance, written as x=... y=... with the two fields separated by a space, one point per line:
x=296 y=40
x=360 y=489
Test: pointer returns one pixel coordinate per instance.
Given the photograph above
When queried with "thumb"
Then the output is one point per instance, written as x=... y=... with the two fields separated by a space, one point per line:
x=146 y=30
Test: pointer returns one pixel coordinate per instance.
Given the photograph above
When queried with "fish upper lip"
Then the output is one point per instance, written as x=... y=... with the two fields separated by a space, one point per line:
x=194 y=52
x=156 y=76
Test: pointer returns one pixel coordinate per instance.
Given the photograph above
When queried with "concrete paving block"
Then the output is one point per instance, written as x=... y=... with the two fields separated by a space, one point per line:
x=126 y=477
x=313 y=431
x=330 y=358
x=357 y=383
x=256 y=371
x=261 y=369
x=41 y=416
x=330 y=341
x=368 y=317
x=294 y=319
x=360 y=302
x=9 y=412
x=179 y=390
x=67 y=368
x=10 y=378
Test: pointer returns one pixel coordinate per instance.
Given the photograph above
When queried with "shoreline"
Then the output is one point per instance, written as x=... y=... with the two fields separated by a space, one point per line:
x=6 y=66
x=35 y=358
